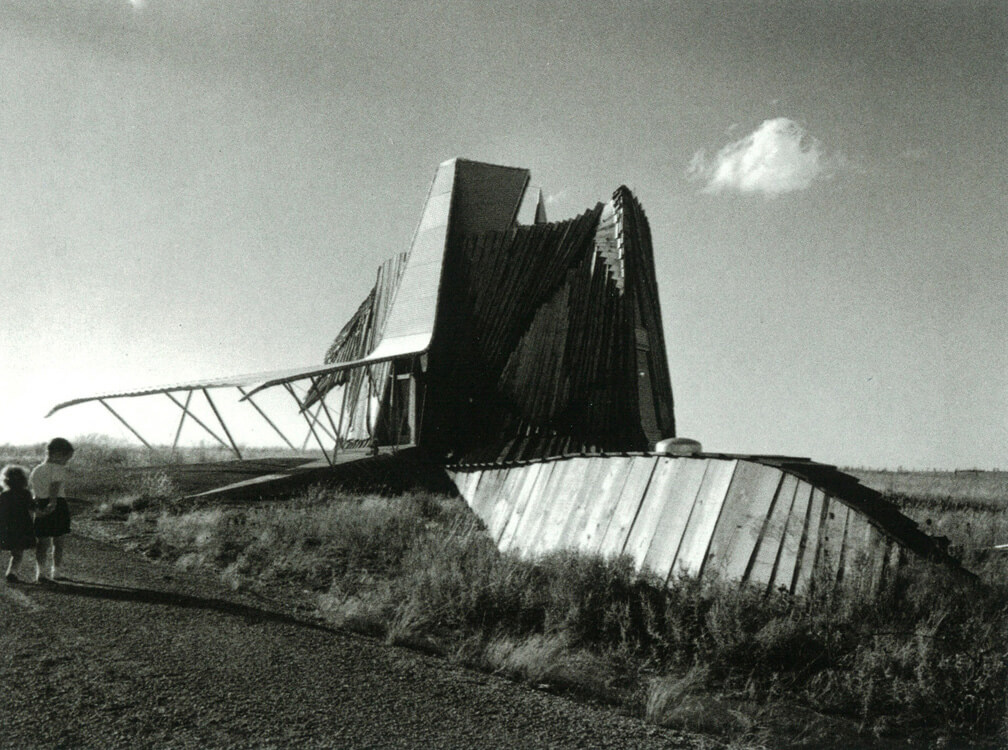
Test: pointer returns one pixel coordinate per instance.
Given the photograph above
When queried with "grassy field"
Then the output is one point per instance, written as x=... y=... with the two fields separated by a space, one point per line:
x=968 y=507
x=969 y=488
x=925 y=662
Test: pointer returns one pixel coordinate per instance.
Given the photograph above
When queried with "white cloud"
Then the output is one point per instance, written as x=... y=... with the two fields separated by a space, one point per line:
x=778 y=157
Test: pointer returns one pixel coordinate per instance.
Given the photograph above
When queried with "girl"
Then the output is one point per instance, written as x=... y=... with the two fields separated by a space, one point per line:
x=52 y=516
x=17 y=532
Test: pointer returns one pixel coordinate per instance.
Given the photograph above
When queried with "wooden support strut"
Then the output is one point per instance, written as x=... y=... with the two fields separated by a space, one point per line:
x=305 y=408
x=323 y=407
x=213 y=406
x=342 y=411
x=127 y=424
x=255 y=406
x=317 y=421
x=194 y=418
x=178 y=432
x=311 y=426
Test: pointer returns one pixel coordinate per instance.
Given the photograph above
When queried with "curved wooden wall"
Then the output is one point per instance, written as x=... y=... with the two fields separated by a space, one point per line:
x=729 y=518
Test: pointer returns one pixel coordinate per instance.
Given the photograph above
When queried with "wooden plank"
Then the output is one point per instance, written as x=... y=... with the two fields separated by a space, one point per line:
x=507 y=497
x=703 y=518
x=471 y=482
x=638 y=478
x=680 y=493
x=485 y=496
x=831 y=539
x=809 y=548
x=610 y=490
x=595 y=470
x=544 y=509
x=797 y=520
x=565 y=487
x=532 y=475
x=879 y=545
x=753 y=488
x=462 y=480
x=856 y=565
x=531 y=514
x=642 y=530
x=768 y=550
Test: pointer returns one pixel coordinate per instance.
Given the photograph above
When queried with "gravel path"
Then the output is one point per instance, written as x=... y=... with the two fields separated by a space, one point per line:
x=129 y=653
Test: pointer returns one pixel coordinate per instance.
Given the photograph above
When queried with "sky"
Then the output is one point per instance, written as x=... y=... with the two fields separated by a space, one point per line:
x=193 y=189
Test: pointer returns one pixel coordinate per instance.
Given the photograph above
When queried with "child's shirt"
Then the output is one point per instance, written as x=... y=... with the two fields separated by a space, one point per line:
x=44 y=475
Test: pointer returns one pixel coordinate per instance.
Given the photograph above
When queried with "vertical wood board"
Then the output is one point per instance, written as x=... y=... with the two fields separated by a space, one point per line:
x=809 y=549
x=791 y=543
x=768 y=549
x=507 y=497
x=610 y=489
x=652 y=504
x=879 y=546
x=831 y=535
x=533 y=473
x=467 y=482
x=703 y=518
x=595 y=470
x=753 y=488
x=680 y=492
x=625 y=511
x=485 y=495
x=856 y=552
x=531 y=514
x=565 y=487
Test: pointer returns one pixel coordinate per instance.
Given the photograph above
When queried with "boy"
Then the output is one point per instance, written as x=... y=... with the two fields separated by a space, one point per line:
x=52 y=517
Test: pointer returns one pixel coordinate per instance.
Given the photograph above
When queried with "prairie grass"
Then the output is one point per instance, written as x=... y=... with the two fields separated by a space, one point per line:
x=924 y=661
x=705 y=656
x=939 y=489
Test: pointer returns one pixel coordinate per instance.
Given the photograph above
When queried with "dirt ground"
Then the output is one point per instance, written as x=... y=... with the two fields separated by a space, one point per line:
x=125 y=652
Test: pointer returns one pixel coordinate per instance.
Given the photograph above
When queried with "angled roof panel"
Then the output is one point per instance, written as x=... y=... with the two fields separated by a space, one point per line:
x=487 y=197
x=464 y=197
x=248 y=380
x=254 y=382
x=410 y=323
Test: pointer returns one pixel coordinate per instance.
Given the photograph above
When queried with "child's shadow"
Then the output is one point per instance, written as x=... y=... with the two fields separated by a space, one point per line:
x=175 y=599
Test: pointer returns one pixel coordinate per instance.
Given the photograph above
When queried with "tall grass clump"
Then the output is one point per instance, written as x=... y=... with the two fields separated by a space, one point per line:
x=312 y=542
